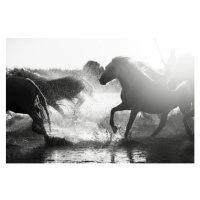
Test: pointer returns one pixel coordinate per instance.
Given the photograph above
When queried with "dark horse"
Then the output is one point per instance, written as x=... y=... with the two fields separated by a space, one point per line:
x=23 y=96
x=58 y=89
x=141 y=93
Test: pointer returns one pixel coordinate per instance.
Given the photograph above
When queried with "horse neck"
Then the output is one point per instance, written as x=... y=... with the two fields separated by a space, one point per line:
x=127 y=79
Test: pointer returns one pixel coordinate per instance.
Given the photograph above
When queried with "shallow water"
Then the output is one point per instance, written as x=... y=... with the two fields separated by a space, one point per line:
x=143 y=150
x=89 y=139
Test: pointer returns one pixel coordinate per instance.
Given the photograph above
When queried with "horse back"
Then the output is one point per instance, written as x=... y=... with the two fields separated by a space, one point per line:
x=154 y=97
x=67 y=87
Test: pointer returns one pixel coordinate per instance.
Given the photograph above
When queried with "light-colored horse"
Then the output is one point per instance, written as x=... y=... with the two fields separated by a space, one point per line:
x=142 y=94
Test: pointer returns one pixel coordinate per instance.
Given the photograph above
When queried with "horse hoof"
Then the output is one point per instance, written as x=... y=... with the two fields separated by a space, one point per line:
x=114 y=128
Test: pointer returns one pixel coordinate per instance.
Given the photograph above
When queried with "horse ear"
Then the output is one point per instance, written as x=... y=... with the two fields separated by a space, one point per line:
x=22 y=69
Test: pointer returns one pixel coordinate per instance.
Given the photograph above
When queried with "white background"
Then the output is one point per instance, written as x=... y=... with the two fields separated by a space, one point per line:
x=98 y=19
x=72 y=53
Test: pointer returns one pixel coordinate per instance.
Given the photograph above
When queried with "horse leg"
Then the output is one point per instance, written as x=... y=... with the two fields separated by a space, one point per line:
x=187 y=113
x=120 y=107
x=186 y=98
x=38 y=126
x=58 y=108
x=81 y=100
x=186 y=116
x=162 y=123
x=132 y=117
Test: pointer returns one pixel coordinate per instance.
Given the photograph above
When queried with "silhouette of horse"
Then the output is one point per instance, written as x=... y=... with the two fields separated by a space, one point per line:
x=141 y=93
x=58 y=89
x=23 y=96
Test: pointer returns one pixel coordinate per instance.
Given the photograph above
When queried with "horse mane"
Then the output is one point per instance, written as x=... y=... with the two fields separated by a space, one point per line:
x=33 y=75
x=138 y=68
x=28 y=74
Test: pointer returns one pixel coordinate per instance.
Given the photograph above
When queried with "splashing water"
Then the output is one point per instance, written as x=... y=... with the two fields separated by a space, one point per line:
x=17 y=122
x=89 y=124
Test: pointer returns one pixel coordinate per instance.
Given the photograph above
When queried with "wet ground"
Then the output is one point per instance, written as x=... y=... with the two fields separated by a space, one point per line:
x=139 y=150
x=87 y=138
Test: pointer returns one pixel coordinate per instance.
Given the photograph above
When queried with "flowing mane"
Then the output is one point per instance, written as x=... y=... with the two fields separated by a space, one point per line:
x=138 y=68
x=28 y=74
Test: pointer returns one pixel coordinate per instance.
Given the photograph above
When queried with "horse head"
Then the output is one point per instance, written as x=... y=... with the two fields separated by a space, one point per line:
x=111 y=72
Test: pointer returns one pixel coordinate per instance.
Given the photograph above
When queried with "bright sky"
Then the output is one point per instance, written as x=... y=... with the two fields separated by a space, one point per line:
x=74 y=53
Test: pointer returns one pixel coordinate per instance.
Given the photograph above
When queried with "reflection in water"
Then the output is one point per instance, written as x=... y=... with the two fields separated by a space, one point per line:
x=144 y=151
x=137 y=156
x=92 y=154
x=128 y=156
x=78 y=156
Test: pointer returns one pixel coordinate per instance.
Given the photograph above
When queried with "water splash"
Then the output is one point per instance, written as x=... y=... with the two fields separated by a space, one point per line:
x=17 y=122
x=90 y=124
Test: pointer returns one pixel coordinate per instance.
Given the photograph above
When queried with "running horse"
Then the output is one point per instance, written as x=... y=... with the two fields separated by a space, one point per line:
x=58 y=89
x=24 y=96
x=142 y=94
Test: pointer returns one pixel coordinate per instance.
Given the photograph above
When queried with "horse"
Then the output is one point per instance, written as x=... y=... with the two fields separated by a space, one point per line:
x=141 y=93
x=58 y=89
x=23 y=96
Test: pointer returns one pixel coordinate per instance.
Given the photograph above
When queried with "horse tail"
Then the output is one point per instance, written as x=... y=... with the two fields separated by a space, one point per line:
x=42 y=100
